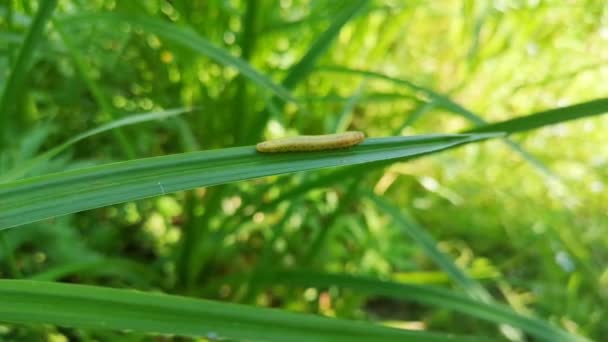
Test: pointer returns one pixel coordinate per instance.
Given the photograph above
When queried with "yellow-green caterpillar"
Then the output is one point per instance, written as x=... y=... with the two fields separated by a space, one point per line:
x=312 y=142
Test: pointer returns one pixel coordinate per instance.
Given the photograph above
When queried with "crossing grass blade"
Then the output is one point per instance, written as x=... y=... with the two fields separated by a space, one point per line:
x=443 y=101
x=525 y=123
x=24 y=58
x=439 y=100
x=125 y=121
x=101 y=98
x=187 y=38
x=434 y=296
x=80 y=306
x=305 y=66
x=37 y=198
x=408 y=224
x=547 y=117
x=300 y=70
x=135 y=273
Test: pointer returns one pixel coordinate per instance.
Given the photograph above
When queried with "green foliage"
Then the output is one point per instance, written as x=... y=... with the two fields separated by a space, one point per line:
x=104 y=308
x=18 y=73
x=63 y=193
x=492 y=227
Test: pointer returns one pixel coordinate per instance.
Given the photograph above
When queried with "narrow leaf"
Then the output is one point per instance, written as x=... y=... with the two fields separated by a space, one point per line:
x=187 y=38
x=62 y=193
x=301 y=69
x=443 y=101
x=434 y=296
x=125 y=121
x=407 y=223
x=93 y=307
x=26 y=53
x=547 y=117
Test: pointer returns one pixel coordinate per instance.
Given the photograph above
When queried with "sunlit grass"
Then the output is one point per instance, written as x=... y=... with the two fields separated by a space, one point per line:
x=520 y=224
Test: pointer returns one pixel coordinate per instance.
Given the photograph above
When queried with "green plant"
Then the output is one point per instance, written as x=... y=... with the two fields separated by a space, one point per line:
x=178 y=201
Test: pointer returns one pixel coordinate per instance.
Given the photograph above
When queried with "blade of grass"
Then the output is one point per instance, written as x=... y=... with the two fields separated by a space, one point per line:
x=443 y=101
x=62 y=193
x=551 y=77
x=79 y=306
x=22 y=169
x=305 y=65
x=135 y=273
x=430 y=295
x=247 y=42
x=368 y=97
x=22 y=63
x=408 y=224
x=346 y=116
x=96 y=92
x=532 y=121
x=547 y=117
x=439 y=100
x=187 y=38
x=416 y=114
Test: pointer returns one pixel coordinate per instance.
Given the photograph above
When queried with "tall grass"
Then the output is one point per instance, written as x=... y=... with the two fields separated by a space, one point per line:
x=99 y=197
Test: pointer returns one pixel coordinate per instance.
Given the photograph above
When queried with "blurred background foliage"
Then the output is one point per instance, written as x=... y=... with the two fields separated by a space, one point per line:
x=530 y=224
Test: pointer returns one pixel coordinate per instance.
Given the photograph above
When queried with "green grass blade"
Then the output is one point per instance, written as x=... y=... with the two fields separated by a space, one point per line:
x=416 y=114
x=47 y=196
x=133 y=119
x=24 y=58
x=94 y=307
x=532 y=121
x=430 y=295
x=429 y=245
x=305 y=66
x=186 y=38
x=97 y=93
x=346 y=116
x=439 y=100
x=547 y=117
x=124 y=269
x=248 y=43
x=442 y=101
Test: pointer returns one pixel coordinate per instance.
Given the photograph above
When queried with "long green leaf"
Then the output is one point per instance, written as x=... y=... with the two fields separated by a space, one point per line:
x=438 y=99
x=24 y=58
x=80 y=306
x=305 y=65
x=47 y=196
x=135 y=273
x=187 y=38
x=535 y=121
x=37 y=198
x=404 y=221
x=548 y=117
x=125 y=121
x=532 y=121
x=435 y=296
x=96 y=91
x=445 y=102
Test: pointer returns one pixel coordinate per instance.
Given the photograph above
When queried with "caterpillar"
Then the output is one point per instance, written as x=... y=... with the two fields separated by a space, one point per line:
x=304 y=143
